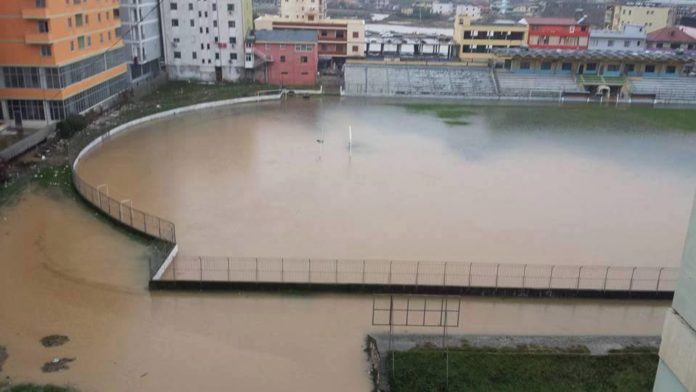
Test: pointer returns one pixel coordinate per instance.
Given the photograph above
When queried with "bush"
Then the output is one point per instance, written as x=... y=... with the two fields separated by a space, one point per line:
x=72 y=124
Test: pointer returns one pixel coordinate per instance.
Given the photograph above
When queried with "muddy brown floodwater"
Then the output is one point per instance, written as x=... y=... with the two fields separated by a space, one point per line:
x=64 y=271
x=510 y=185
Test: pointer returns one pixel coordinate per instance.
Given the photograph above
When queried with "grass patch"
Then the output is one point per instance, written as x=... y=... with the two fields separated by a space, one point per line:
x=450 y=113
x=682 y=119
x=522 y=369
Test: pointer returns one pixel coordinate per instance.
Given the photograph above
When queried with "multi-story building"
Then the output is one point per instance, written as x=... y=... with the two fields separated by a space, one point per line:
x=141 y=34
x=439 y=8
x=557 y=33
x=675 y=371
x=652 y=18
x=472 y=11
x=338 y=39
x=204 y=40
x=629 y=38
x=672 y=38
x=303 y=10
x=478 y=40
x=58 y=57
x=283 y=57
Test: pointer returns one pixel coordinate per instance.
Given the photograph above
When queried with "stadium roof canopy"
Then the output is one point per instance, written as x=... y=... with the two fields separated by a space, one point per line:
x=597 y=54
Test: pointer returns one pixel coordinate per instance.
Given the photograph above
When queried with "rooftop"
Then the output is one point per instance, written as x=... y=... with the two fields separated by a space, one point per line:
x=537 y=20
x=670 y=34
x=285 y=35
x=633 y=33
x=597 y=54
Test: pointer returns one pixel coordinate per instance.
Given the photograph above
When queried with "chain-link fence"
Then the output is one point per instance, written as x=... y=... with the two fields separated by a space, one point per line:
x=421 y=273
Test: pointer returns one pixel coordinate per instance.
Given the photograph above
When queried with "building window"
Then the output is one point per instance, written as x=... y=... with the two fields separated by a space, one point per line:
x=304 y=59
x=303 y=48
x=610 y=43
x=87 y=19
x=671 y=69
x=190 y=6
x=192 y=23
x=233 y=40
x=566 y=66
x=525 y=65
x=630 y=68
x=233 y=56
x=215 y=23
x=175 y=22
x=214 y=7
x=194 y=55
x=650 y=68
x=40 y=3
x=78 y=20
x=356 y=34
x=21 y=77
x=89 y=40
x=26 y=110
x=217 y=56
x=177 y=55
x=70 y=22
x=173 y=6
x=231 y=24
x=42 y=26
x=282 y=59
x=72 y=45
x=81 y=42
x=230 y=7
x=627 y=43
x=546 y=66
x=613 y=68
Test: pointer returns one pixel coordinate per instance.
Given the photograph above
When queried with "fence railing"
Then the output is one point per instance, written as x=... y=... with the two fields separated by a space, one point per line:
x=144 y=222
x=421 y=273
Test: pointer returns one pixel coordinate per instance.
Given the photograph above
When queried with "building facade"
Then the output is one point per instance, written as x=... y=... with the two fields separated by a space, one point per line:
x=557 y=33
x=283 y=57
x=303 y=10
x=439 y=8
x=628 y=38
x=472 y=11
x=672 y=38
x=58 y=58
x=675 y=371
x=652 y=18
x=141 y=34
x=337 y=39
x=204 y=40
x=477 y=41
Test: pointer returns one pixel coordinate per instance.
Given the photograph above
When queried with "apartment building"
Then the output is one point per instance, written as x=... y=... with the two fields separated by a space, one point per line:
x=283 y=57
x=557 y=33
x=204 y=40
x=628 y=38
x=652 y=18
x=338 y=39
x=58 y=57
x=477 y=40
x=303 y=10
x=141 y=34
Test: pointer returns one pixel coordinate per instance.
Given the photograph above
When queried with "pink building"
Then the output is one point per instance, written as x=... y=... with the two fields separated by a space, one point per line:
x=282 y=57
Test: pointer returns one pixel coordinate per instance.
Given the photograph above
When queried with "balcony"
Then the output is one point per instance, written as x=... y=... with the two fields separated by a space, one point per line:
x=35 y=13
x=40 y=38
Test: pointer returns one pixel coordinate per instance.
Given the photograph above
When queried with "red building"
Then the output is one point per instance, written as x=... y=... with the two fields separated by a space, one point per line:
x=557 y=33
x=282 y=57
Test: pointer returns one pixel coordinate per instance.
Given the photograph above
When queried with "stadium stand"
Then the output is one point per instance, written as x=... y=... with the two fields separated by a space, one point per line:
x=668 y=90
x=524 y=85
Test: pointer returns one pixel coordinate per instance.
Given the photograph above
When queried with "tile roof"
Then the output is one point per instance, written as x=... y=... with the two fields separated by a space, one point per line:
x=670 y=34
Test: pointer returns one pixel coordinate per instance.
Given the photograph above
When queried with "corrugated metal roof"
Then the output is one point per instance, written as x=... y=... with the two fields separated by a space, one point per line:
x=285 y=36
x=597 y=54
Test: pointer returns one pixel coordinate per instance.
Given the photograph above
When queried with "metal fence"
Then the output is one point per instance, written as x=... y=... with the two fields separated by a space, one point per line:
x=142 y=221
x=421 y=273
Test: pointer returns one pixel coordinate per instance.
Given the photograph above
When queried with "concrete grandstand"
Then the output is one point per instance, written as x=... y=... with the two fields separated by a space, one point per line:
x=589 y=75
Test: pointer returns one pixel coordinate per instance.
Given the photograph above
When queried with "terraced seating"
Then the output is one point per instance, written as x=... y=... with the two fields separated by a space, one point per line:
x=680 y=89
x=525 y=85
x=401 y=79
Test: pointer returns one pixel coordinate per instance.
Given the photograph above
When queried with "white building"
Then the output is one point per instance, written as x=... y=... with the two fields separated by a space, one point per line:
x=442 y=8
x=630 y=38
x=140 y=26
x=303 y=10
x=204 y=40
x=471 y=11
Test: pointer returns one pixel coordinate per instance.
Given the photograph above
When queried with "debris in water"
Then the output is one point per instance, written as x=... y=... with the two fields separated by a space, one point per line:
x=3 y=356
x=57 y=364
x=54 y=340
